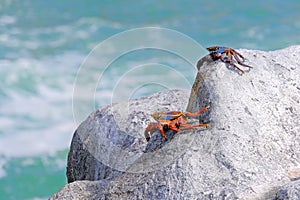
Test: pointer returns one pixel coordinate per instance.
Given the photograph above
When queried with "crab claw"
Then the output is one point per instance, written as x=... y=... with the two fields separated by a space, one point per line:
x=151 y=128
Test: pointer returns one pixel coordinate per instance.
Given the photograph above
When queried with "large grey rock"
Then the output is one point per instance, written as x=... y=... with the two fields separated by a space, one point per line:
x=248 y=152
x=111 y=141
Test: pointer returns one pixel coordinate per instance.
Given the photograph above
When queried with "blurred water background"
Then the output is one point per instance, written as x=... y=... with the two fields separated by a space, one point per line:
x=43 y=44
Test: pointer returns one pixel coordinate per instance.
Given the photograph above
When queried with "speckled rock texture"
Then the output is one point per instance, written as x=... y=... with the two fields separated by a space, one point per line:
x=290 y=191
x=111 y=141
x=250 y=151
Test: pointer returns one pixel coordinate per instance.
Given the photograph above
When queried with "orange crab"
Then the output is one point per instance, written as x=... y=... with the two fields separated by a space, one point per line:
x=175 y=120
x=226 y=55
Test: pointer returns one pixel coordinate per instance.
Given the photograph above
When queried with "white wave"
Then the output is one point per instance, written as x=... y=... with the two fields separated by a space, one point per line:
x=36 y=109
x=40 y=198
x=7 y=19
x=2 y=171
x=37 y=142
x=42 y=124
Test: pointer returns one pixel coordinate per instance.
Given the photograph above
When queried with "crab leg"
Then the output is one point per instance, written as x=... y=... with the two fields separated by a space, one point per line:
x=192 y=126
x=236 y=54
x=160 y=127
x=229 y=61
x=174 y=126
x=189 y=114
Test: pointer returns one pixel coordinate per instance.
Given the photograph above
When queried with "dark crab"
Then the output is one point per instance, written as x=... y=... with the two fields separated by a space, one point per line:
x=226 y=55
x=175 y=120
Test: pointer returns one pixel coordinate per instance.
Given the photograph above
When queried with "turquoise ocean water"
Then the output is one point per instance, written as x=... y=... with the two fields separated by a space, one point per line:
x=43 y=44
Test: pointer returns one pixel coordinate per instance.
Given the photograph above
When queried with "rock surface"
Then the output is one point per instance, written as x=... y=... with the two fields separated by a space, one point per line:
x=248 y=152
x=290 y=191
x=111 y=141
